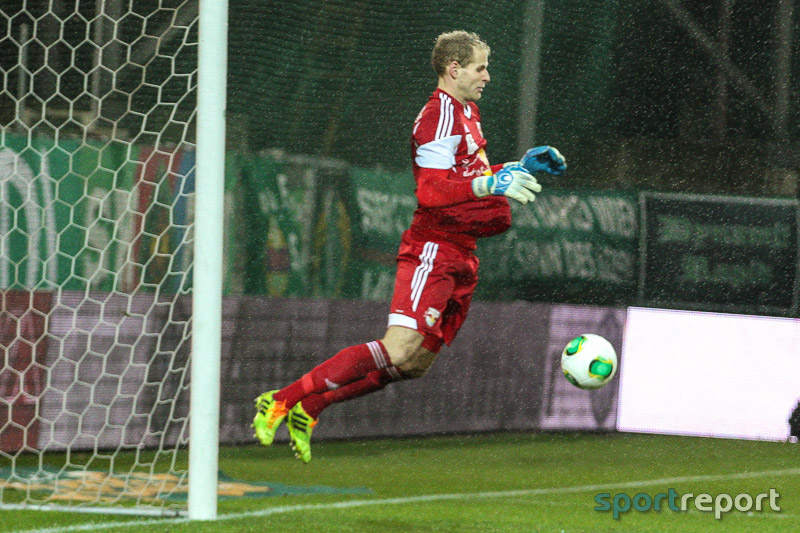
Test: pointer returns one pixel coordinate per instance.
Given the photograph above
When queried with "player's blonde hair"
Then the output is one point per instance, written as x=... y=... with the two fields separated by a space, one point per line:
x=455 y=46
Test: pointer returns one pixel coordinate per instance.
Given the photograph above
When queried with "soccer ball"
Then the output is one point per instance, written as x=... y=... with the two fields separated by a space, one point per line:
x=589 y=361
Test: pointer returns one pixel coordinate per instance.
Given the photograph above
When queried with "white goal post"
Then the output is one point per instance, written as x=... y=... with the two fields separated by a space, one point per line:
x=113 y=137
x=207 y=303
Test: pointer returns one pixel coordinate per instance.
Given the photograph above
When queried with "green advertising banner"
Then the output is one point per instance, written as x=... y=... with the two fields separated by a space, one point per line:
x=720 y=253
x=280 y=199
x=385 y=204
x=66 y=216
x=30 y=218
x=568 y=246
x=94 y=216
x=332 y=246
x=237 y=228
x=103 y=222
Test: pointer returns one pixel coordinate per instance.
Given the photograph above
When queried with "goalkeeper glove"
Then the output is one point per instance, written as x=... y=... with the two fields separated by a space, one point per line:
x=512 y=181
x=544 y=159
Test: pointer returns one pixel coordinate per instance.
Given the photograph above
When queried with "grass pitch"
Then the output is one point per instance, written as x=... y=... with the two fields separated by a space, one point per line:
x=497 y=482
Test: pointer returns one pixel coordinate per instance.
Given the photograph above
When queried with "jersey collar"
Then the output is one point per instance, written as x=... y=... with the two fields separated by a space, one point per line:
x=467 y=107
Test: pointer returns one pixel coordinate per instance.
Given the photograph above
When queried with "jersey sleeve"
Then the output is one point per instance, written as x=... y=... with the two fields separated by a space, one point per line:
x=435 y=189
x=437 y=134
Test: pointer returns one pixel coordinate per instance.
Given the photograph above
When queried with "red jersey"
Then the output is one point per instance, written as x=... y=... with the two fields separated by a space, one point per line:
x=447 y=136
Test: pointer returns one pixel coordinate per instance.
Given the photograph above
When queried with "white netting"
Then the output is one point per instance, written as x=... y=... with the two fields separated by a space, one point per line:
x=96 y=192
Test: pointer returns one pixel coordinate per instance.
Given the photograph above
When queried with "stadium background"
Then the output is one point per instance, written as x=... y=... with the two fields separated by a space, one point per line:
x=318 y=190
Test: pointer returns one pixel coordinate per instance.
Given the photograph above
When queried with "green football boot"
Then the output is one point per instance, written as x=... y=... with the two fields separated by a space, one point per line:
x=269 y=415
x=300 y=425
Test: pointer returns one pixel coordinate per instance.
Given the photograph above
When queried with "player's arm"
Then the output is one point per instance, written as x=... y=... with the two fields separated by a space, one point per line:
x=435 y=157
x=436 y=188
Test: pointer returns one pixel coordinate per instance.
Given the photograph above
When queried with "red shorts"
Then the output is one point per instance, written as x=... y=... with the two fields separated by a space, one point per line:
x=433 y=289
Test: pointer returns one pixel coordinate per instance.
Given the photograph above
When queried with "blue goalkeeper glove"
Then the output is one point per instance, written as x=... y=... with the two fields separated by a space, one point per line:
x=512 y=181
x=544 y=159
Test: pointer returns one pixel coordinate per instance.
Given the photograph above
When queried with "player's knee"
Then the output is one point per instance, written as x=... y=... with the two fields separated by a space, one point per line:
x=417 y=365
x=401 y=356
x=412 y=371
x=401 y=344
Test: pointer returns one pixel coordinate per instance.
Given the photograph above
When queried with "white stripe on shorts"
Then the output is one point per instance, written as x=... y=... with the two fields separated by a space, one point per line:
x=421 y=273
x=396 y=319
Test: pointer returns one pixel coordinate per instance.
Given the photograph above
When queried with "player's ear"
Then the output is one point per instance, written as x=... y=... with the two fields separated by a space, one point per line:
x=452 y=69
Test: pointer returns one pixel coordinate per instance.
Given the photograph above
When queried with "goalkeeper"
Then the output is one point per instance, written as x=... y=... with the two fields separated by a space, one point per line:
x=461 y=198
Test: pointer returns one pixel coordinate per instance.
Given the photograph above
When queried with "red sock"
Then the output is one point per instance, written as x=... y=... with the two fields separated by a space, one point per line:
x=374 y=381
x=351 y=364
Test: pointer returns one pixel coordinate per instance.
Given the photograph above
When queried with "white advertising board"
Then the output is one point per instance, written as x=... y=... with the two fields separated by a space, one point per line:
x=709 y=374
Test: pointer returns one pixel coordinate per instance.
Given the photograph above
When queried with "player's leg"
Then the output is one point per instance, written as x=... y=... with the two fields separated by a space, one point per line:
x=411 y=352
x=349 y=365
x=413 y=364
x=422 y=289
x=415 y=360
x=423 y=286
x=399 y=344
x=415 y=260
x=376 y=380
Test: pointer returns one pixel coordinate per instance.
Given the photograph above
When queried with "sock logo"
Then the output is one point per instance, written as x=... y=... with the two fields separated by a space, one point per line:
x=431 y=316
x=331 y=385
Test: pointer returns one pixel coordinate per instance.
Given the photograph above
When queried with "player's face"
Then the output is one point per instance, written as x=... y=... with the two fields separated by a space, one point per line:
x=472 y=78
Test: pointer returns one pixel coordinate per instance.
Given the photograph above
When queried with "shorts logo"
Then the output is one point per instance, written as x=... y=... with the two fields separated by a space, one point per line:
x=431 y=316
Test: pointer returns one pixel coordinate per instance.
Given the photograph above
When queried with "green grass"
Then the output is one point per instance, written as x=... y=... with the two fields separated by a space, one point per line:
x=561 y=465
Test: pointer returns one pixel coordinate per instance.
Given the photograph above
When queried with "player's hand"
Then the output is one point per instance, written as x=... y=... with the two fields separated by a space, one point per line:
x=512 y=181
x=544 y=159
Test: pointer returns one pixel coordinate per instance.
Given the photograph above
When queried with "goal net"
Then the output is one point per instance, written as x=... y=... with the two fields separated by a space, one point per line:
x=96 y=201
x=99 y=154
